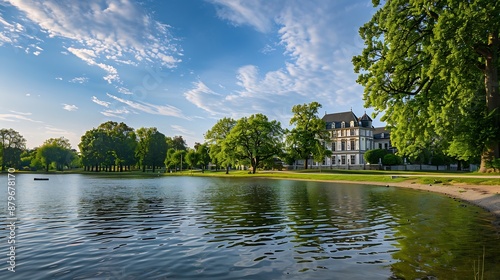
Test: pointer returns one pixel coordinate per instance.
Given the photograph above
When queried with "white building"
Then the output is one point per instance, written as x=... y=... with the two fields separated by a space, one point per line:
x=350 y=138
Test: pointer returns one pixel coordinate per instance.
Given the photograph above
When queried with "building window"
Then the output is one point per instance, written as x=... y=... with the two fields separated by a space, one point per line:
x=343 y=159
x=380 y=145
x=333 y=146
x=352 y=124
x=342 y=125
x=386 y=146
x=353 y=159
x=353 y=145
x=342 y=146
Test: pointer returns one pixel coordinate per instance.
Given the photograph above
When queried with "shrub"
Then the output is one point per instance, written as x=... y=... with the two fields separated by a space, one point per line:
x=373 y=156
x=390 y=159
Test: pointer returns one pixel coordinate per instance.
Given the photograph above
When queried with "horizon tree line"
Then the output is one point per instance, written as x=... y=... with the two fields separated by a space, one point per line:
x=253 y=141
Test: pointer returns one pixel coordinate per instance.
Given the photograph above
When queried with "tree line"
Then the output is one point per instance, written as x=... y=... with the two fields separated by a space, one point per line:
x=254 y=141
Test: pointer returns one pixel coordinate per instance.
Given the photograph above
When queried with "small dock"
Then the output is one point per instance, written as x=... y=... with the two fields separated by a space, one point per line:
x=41 y=179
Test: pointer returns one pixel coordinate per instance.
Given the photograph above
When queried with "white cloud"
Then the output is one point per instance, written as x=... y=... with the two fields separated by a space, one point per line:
x=100 y=102
x=116 y=113
x=59 y=78
x=164 y=110
x=317 y=67
x=103 y=33
x=69 y=107
x=21 y=113
x=79 y=80
x=205 y=98
x=182 y=130
x=16 y=118
x=239 y=12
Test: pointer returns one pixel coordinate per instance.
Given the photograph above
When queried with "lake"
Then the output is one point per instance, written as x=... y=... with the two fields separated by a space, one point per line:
x=93 y=227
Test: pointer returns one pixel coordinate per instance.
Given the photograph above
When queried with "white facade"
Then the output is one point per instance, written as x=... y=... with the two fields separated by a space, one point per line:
x=350 y=138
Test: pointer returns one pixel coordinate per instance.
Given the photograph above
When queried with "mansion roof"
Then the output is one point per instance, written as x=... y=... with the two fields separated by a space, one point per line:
x=335 y=120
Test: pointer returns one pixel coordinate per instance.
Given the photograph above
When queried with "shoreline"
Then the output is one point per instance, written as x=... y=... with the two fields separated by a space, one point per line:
x=484 y=196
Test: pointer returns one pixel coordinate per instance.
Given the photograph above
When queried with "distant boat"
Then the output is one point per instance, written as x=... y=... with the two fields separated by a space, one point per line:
x=41 y=179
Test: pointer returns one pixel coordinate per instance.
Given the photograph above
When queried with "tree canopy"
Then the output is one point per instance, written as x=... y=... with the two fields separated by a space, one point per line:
x=55 y=151
x=12 y=145
x=431 y=67
x=256 y=139
x=305 y=139
x=221 y=151
x=152 y=147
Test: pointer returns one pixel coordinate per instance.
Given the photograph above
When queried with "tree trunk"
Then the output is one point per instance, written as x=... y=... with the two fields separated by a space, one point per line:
x=492 y=149
x=254 y=165
x=305 y=163
x=227 y=168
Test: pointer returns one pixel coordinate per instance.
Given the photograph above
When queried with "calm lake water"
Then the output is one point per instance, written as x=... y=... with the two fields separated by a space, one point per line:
x=91 y=227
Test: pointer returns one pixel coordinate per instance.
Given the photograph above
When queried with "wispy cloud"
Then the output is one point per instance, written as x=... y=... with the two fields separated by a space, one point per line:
x=79 y=80
x=69 y=107
x=21 y=113
x=182 y=130
x=101 y=33
x=164 y=110
x=317 y=59
x=100 y=102
x=256 y=14
x=118 y=113
x=16 y=118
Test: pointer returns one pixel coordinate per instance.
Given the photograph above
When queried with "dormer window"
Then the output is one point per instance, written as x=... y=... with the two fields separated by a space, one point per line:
x=352 y=123
x=342 y=125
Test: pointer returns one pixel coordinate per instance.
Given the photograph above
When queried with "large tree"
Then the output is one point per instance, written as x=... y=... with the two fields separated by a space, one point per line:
x=122 y=143
x=256 y=139
x=304 y=139
x=95 y=149
x=221 y=151
x=432 y=68
x=152 y=148
x=56 y=151
x=12 y=144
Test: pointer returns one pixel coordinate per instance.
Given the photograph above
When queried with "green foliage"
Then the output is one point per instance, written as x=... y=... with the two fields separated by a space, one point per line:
x=177 y=143
x=222 y=152
x=55 y=152
x=391 y=159
x=308 y=133
x=431 y=68
x=12 y=144
x=110 y=144
x=192 y=158
x=203 y=156
x=151 y=148
x=375 y=156
x=255 y=139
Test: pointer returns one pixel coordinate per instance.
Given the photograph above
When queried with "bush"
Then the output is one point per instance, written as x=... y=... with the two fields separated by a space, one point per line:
x=390 y=159
x=373 y=156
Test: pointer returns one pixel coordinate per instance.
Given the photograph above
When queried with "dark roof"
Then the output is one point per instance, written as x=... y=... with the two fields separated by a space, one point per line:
x=341 y=117
x=365 y=117
x=335 y=120
x=377 y=133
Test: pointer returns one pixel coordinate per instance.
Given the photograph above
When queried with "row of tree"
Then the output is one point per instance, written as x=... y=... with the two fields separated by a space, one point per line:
x=253 y=141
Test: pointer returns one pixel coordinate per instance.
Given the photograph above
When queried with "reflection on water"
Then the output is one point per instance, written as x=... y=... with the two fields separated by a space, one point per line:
x=85 y=227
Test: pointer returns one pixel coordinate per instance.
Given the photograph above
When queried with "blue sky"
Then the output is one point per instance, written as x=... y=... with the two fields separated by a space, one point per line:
x=68 y=66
